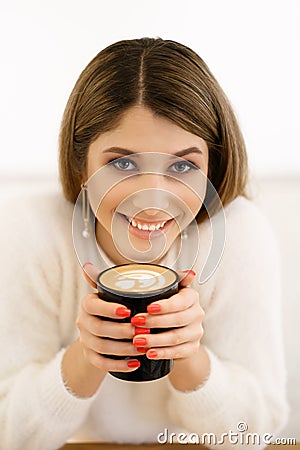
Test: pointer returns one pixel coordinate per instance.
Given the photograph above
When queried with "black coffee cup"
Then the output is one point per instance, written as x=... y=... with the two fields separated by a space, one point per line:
x=136 y=286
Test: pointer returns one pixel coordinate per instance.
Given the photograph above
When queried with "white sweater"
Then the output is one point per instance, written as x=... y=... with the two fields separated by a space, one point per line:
x=42 y=284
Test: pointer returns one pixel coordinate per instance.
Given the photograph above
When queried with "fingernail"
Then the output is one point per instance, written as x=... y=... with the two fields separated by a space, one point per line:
x=140 y=342
x=192 y=272
x=152 y=309
x=138 y=320
x=142 y=331
x=86 y=264
x=142 y=349
x=152 y=354
x=133 y=364
x=121 y=311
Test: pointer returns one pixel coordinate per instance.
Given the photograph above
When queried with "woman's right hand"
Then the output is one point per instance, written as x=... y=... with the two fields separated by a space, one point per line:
x=100 y=337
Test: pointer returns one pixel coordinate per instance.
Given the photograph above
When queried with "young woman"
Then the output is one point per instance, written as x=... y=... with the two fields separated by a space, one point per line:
x=139 y=99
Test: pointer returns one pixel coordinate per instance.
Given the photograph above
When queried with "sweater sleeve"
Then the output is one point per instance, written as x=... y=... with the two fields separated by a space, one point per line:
x=243 y=338
x=36 y=410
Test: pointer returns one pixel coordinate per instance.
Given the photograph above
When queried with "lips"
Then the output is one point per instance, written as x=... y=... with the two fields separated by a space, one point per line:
x=146 y=226
x=143 y=229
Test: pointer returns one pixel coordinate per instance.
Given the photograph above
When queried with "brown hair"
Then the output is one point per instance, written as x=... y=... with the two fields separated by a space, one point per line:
x=171 y=80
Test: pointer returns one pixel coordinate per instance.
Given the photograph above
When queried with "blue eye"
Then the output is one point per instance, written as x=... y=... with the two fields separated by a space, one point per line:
x=123 y=164
x=182 y=167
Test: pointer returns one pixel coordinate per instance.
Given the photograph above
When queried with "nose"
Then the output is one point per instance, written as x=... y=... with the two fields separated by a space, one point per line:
x=152 y=181
x=151 y=195
x=152 y=200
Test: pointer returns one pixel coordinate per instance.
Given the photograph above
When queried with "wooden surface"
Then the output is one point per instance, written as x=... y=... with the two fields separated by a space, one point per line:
x=131 y=446
x=102 y=446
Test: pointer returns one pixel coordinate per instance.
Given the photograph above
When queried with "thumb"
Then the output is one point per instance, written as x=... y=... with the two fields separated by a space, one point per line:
x=91 y=273
x=186 y=277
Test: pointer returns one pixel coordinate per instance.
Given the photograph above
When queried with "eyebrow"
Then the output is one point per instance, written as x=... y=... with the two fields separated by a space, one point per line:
x=125 y=151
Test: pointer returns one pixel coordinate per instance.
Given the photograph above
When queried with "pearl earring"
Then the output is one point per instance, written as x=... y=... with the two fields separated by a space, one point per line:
x=184 y=235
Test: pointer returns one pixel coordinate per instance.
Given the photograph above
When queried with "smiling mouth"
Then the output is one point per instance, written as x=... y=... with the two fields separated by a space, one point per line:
x=143 y=229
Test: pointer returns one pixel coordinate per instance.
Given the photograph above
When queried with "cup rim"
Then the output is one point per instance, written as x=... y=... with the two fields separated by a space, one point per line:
x=102 y=287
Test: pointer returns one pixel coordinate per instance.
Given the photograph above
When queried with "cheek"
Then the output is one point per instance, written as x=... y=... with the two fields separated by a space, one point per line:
x=109 y=202
x=191 y=194
x=193 y=202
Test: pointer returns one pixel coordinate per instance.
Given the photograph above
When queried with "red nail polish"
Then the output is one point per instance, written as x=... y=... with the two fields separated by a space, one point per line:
x=142 y=349
x=155 y=308
x=139 y=342
x=141 y=331
x=152 y=354
x=121 y=311
x=138 y=320
x=192 y=272
x=133 y=364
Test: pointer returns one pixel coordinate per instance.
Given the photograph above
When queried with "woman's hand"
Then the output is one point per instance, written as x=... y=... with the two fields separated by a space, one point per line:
x=83 y=366
x=181 y=314
x=100 y=337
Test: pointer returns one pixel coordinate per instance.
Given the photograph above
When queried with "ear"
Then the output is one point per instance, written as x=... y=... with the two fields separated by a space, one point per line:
x=90 y=273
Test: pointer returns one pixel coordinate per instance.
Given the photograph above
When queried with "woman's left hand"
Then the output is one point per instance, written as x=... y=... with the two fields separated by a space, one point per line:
x=182 y=314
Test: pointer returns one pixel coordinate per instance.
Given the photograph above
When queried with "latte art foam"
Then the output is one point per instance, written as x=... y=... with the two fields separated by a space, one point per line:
x=137 y=278
x=139 y=281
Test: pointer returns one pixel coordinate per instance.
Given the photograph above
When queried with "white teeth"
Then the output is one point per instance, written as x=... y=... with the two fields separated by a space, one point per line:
x=160 y=225
x=145 y=227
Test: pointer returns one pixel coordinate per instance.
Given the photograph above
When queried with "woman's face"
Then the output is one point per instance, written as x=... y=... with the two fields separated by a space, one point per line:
x=148 y=177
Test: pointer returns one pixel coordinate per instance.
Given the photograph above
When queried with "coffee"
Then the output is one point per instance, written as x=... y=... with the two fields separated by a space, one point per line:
x=136 y=286
x=138 y=279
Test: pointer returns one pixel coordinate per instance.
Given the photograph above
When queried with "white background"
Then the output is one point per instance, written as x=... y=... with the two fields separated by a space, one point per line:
x=252 y=47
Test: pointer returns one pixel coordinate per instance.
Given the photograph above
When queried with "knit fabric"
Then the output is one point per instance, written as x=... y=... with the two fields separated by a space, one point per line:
x=42 y=285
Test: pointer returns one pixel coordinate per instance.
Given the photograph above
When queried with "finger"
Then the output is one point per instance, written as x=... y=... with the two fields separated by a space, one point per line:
x=174 y=337
x=90 y=273
x=104 y=328
x=108 y=346
x=179 y=351
x=184 y=299
x=186 y=277
x=194 y=314
x=111 y=365
x=94 y=305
